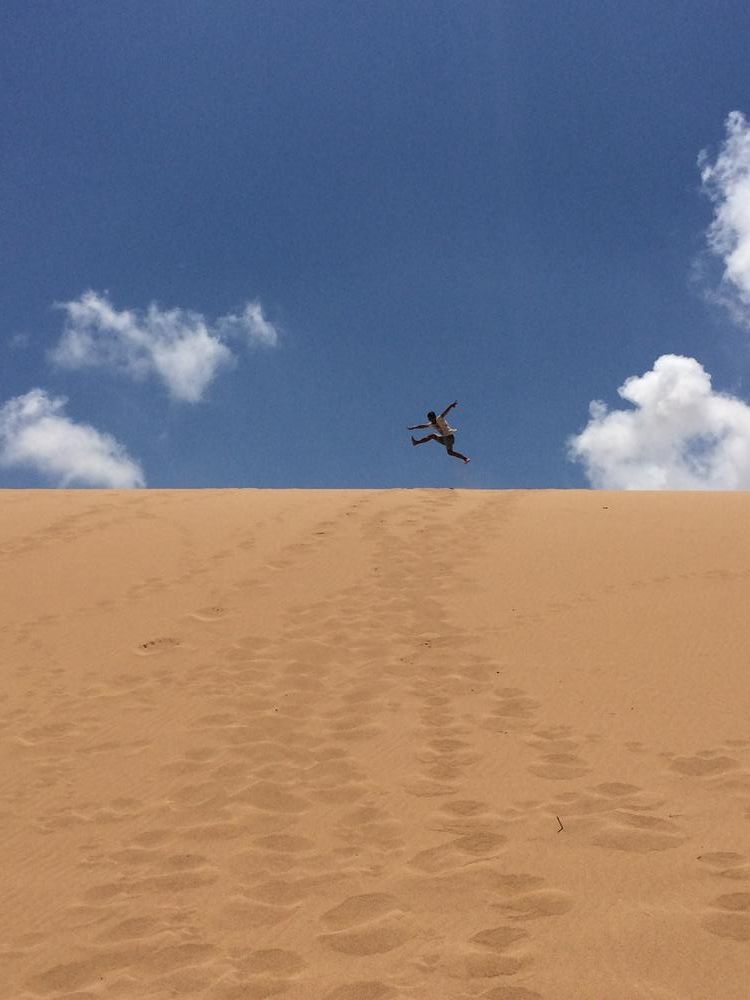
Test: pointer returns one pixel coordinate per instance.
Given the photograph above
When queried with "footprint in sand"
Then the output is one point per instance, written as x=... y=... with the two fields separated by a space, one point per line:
x=729 y=917
x=159 y=645
x=489 y=954
x=637 y=833
x=616 y=789
x=512 y=705
x=620 y=817
x=704 y=764
x=559 y=766
x=630 y=821
x=499 y=938
x=377 y=939
x=360 y=909
x=464 y=807
x=284 y=843
x=457 y=853
x=727 y=864
x=367 y=924
x=485 y=965
x=558 y=757
x=133 y=928
x=151 y=957
x=209 y=614
x=463 y=817
x=535 y=905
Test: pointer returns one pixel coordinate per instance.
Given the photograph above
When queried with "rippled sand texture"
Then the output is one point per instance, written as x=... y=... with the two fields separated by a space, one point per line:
x=375 y=745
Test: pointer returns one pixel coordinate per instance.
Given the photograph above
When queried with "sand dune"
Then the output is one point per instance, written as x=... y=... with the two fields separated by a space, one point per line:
x=375 y=745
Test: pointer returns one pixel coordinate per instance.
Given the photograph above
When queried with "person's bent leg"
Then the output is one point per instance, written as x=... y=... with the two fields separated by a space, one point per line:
x=457 y=454
x=430 y=437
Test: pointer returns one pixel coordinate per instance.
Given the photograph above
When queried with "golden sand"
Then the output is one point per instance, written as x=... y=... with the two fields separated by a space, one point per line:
x=355 y=745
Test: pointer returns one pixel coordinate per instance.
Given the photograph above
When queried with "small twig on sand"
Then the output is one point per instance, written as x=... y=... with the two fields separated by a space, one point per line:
x=560 y=822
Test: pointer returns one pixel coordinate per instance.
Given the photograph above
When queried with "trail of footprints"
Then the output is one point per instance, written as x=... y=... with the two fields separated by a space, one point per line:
x=465 y=871
x=726 y=770
x=728 y=914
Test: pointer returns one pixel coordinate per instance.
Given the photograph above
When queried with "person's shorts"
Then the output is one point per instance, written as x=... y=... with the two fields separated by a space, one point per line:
x=447 y=440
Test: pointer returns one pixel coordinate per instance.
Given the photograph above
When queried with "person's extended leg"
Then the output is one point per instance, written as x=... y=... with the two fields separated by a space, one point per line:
x=447 y=442
x=430 y=437
x=457 y=454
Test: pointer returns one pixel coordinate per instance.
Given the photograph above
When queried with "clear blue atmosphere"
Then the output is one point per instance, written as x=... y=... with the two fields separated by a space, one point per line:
x=247 y=244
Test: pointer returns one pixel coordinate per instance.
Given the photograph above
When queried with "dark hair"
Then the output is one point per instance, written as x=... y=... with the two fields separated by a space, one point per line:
x=431 y=417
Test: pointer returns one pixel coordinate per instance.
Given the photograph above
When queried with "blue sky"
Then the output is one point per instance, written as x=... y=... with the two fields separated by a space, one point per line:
x=417 y=202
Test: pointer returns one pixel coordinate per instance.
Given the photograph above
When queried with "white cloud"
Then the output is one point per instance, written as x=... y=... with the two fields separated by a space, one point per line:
x=727 y=182
x=36 y=433
x=680 y=435
x=178 y=346
x=250 y=323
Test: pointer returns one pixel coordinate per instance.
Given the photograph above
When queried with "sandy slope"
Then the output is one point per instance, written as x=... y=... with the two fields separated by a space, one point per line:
x=316 y=744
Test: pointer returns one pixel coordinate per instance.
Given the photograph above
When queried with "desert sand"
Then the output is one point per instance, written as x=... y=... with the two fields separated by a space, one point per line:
x=344 y=745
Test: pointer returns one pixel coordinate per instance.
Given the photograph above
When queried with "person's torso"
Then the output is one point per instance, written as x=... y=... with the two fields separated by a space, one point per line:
x=442 y=427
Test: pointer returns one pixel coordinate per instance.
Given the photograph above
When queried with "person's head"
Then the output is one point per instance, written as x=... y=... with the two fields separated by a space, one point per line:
x=432 y=417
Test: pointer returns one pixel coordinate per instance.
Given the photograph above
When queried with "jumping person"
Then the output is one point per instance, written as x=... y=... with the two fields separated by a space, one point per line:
x=442 y=432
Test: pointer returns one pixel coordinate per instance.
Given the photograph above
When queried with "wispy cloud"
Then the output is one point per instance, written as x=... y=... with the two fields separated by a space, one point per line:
x=250 y=324
x=178 y=346
x=680 y=434
x=36 y=433
x=727 y=182
x=19 y=341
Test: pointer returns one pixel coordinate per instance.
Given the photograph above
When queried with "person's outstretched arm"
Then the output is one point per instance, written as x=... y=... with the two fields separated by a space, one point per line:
x=449 y=407
x=418 y=427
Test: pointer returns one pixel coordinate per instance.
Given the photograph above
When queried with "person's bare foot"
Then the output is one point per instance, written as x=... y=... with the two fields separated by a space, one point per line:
x=466 y=461
x=413 y=439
